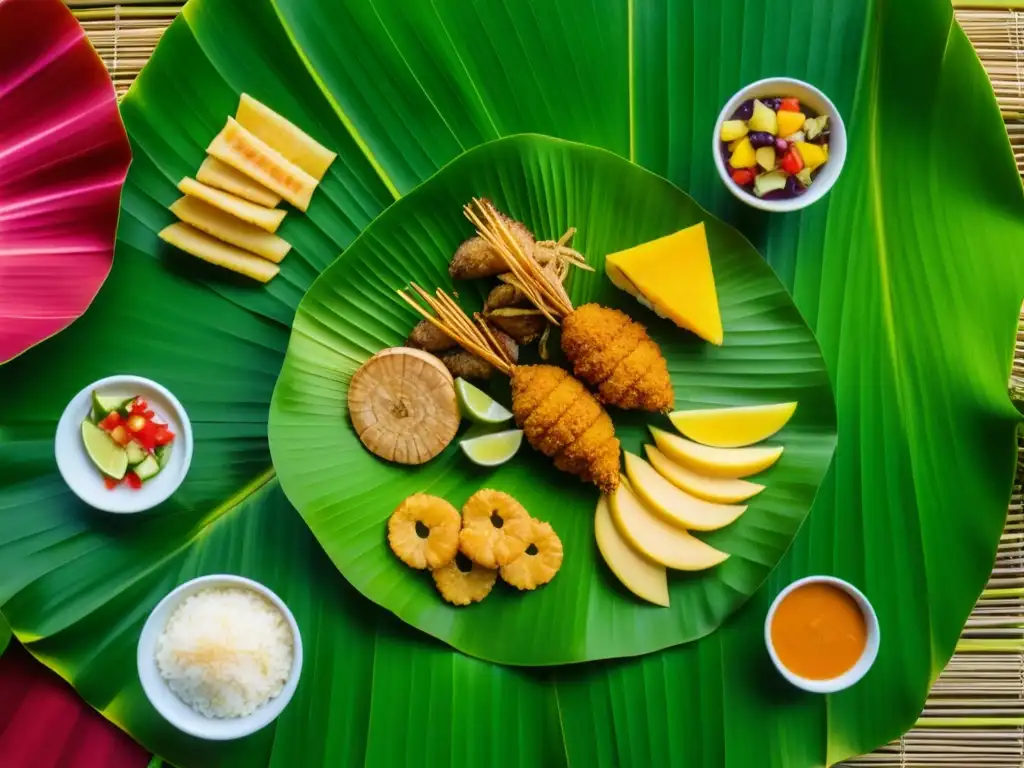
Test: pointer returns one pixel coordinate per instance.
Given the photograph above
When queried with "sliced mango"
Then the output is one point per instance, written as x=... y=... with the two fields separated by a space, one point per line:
x=658 y=540
x=264 y=218
x=734 y=129
x=245 y=152
x=284 y=136
x=226 y=227
x=716 y=462
x=212 y=250
x=675 y=505
x=645 y=579
x=789 y=122
x=673 y=275
x=743 y=156
x=723 y=490
x=733 y=427
x=220 y=175
x=812 y=154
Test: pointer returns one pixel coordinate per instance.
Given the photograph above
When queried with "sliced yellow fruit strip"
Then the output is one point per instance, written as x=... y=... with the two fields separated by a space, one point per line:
x=724 y=490
x=646 y=580
x=658 y=540
x=264 y=218
x=222 y=176
x=284 y=136
x=226 y=227
x=252 y=156
x=733 y=427
x=675 y=505
x=202 y=246
x=716 y=462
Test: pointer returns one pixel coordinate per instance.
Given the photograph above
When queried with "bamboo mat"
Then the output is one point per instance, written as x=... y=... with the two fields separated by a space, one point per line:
x=975 y=712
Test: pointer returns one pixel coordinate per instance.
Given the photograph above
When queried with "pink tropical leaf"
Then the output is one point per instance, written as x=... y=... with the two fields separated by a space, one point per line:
x=63 y=159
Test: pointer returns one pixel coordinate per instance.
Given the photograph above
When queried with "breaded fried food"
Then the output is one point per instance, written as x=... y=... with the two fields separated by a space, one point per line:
x=612 y=352
x=468 y=366
x=424 y=531
x=495 y=528
x=426 y=337
x=462 y=581
x=475 y=258
x=539 y=562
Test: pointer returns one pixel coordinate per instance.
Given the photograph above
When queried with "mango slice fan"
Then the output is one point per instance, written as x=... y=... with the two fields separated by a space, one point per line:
x=558 y=415
x=608 y=350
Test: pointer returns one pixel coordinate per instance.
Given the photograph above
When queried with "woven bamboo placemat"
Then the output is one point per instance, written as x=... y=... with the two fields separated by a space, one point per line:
x=975 y=712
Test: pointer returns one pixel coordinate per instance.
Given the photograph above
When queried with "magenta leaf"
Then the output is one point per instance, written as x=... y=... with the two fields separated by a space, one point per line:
x=64 y=155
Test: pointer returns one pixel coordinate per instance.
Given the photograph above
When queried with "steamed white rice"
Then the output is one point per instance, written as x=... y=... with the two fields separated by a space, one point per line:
x=225 y=652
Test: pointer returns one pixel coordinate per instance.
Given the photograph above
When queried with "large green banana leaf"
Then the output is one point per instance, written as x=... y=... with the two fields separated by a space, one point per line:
x=909 y=272
x=345 y=493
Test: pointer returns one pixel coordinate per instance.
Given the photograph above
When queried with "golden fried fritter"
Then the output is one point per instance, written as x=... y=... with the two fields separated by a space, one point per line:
x=615 y=354
x=462 y=581
x=428 y=338
x=475 y=258
x=424 y=531
x=494 y=528
x=468 y=366
x=594 y=455
x=539 y=563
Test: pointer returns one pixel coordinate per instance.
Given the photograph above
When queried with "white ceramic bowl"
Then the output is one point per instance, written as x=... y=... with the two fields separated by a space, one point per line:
x=85 y=479
x=173 y=709
x=858 y=670
x=816 y=100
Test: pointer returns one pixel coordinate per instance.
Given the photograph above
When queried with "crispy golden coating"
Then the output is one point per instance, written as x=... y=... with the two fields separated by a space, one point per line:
x=615 y=354
x=462 y=581
x=424 y=531
x=495 y=528
x=561 y=419
x=539 y=562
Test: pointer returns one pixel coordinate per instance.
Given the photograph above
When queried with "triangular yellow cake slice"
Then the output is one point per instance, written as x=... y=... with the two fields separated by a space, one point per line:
x=673 y=276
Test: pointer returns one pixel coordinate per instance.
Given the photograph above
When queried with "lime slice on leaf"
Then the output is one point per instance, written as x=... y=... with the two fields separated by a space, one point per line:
x=476 y=405
x=109 y=457
x=494 y=449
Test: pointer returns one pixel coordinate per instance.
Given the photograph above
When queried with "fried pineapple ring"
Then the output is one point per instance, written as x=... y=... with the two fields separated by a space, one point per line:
x=495 y=528
x=424 y=531
x=462 y=581
x=540 y=560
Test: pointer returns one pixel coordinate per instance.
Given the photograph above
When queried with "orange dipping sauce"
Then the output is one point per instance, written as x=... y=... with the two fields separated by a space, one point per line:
x=818 y=631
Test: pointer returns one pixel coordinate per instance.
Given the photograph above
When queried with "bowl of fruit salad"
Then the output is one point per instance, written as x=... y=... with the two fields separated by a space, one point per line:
x=779 y=144
x=124 y=444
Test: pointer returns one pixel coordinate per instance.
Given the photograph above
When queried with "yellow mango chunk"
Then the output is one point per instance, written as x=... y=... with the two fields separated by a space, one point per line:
x=732 y=427
x=673 y=276
x=790 y=122
x=743 y=156
x=812 y=154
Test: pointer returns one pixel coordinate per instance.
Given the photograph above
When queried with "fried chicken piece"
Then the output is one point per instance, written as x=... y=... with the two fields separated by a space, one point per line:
x=469 y=366
x=428 y=338
x=615 y=354
x=591 y=457
x=475 y=258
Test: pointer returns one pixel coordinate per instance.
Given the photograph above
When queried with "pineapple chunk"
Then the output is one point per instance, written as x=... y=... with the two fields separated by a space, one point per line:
x=743 y=156
x=766 y=158
x=790 y=122
x=763 y=119
x=734 y=129
x=812 y=155
x=284 y=136
x=769 y=182
x=214 y=251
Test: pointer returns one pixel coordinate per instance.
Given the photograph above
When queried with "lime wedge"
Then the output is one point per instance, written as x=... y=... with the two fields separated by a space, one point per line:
x=109 y=457
x=492 y=450
x=476 y=405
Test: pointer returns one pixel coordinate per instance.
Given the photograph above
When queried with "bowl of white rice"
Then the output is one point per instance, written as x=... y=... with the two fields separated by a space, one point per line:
x=220 y=657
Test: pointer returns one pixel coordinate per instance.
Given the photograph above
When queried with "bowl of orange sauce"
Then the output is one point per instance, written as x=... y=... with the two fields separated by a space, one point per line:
x=822 y=634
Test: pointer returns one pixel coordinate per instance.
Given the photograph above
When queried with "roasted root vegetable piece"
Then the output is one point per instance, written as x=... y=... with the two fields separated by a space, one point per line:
x=607 y=349
x=222 y=176
x=214 y=251
x=558 y=415
x=264 y=218
x=426 y=337
x=284 y=136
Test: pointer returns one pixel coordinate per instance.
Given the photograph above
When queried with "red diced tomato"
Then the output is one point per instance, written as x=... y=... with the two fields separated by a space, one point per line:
x=790 y=105
x=110 y=482
x=792 y=163
x=163 y=435
x=133 y=481
x=111 y=420
x=139 y=406
x=149 y=414
x=146 y=437
x=743 y=176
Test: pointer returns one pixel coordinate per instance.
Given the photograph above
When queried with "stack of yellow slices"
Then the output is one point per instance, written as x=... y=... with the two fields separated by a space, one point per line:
x=228 y=215
x=693 y=484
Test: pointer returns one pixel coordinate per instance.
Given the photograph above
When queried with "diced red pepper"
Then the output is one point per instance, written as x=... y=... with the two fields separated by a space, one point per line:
x=110 y=482
x=149 y=414
x=792 y=163
x=743 y=176
x=790 y=105
x=163 y=435
x=139 y=406
x=133 y=481
x=146 y=437
x=110 y=421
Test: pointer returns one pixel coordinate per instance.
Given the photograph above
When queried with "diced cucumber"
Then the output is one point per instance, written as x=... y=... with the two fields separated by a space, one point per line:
x=148 y=469
x=136 y=453
x=163 y=455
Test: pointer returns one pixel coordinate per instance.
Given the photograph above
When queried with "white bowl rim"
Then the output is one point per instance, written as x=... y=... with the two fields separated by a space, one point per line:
x=822 y=183
x=134 y=501
x=167 y=703
x=867 y=657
